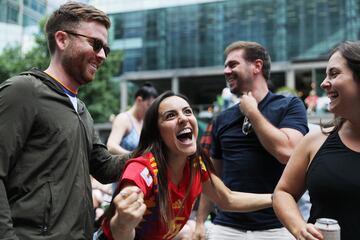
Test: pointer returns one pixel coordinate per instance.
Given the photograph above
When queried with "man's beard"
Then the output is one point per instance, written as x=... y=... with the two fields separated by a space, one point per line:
x=73 y=65
x=243 y=84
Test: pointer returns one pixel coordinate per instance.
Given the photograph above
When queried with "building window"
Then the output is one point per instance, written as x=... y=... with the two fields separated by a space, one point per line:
x=12 y=14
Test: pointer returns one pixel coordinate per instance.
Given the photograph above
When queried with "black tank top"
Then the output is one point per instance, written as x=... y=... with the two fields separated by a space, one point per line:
x=333 y=180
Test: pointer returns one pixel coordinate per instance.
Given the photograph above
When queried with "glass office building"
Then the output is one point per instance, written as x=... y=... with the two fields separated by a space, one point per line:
x=22 y=12
x=191 y=37
x=19 y=21
x=195 y=35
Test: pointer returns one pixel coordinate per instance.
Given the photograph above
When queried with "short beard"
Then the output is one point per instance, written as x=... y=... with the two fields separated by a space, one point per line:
x=68 y=62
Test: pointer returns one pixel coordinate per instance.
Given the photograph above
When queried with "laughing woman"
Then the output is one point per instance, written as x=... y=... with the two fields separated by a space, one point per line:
x=327 y=162
x=171 y=171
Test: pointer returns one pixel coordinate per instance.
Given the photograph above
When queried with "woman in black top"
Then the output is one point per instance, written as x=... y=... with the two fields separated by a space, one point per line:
x=327 y=162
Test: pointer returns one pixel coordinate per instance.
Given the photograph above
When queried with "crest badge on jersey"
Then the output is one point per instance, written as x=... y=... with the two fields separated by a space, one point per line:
x=145 y=174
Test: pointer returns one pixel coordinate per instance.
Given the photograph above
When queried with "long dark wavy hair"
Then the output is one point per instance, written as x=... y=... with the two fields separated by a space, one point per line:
x=150 y=141
x=351 y=52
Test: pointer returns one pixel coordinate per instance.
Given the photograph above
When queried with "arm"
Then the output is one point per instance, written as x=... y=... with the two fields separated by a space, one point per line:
x=104 y=167
x=129 y=210
x=278 y=142
x=234 y=201
x=101 y=187
x=6 y=227
x=120 y=127
x=17 y=113
x=292 y=185
x=205 y=207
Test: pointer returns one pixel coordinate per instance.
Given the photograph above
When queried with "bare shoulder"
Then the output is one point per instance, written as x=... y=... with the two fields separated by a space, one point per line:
x=122 y=116
x=314 y=140
x=122 y=119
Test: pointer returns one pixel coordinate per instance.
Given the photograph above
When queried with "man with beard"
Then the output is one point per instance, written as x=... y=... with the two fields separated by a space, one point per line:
x=251 y=143
x=48 y=145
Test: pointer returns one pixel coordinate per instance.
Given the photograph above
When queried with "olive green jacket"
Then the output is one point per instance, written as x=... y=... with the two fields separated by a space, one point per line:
x=47 y=152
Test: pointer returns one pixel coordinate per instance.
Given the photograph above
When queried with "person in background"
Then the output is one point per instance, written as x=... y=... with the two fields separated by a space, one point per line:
x=126 y=128
x=326 y=162
x=251 y=143
x=228 y=98
x=48 y=144
x=171 y=170
x=311 y=102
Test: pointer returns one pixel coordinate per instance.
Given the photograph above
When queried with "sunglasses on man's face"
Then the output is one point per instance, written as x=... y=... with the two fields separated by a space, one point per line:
x=96 y=43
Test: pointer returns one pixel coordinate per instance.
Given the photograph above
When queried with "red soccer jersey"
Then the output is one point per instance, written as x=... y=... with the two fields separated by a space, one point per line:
x=142 y=172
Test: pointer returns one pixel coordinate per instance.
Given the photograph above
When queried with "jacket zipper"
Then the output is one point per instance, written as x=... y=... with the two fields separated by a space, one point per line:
x=45 y=225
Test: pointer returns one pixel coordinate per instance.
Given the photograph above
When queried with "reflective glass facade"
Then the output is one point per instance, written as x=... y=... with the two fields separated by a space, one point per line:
x=19 y=20
x=32 y=11
x=195 y=35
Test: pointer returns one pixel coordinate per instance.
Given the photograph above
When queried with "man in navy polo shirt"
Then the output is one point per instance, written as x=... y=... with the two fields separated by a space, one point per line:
x=251 y=143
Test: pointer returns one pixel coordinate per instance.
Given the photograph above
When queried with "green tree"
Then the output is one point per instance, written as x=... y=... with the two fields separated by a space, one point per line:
x=101 y=96
x=11 y=62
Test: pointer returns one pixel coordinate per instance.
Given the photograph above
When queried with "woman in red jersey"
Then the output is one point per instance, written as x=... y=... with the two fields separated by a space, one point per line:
x=171 y=171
